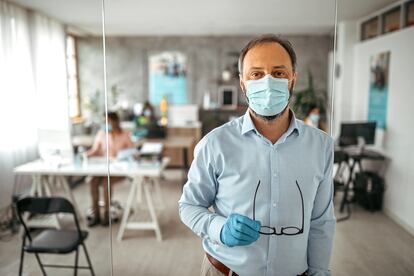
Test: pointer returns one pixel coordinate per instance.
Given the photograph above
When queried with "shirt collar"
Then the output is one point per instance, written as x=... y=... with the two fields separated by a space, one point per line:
x=293 y=125
x=248 y=124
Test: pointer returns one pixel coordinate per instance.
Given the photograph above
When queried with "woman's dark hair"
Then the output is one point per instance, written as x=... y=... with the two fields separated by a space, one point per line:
x=310 y=108
x=268 y=38
x=113 y=116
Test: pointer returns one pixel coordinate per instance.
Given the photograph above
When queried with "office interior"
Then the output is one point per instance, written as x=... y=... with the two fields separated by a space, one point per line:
x=169 y=71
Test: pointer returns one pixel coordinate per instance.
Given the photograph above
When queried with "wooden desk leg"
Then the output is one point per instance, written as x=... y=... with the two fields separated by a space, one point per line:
x=34 y=188
x=69 y=193
x=35 y=191
x=152 y=212
x=137 y=205
x=131 y=196
x=46 y=183
x=47 y=186
x=158 y=192
x=139 y=182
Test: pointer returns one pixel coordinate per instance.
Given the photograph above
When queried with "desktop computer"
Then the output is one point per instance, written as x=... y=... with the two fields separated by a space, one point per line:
x=55 y=146
x=357 y=134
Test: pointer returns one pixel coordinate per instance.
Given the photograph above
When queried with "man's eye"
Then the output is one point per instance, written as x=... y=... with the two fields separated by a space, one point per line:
x=279 y=74
x=256 y=74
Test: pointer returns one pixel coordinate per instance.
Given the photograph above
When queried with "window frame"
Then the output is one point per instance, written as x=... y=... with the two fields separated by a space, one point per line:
x=73 y=77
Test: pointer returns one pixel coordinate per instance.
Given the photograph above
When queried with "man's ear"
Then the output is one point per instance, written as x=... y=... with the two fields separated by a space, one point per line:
x=292 y=84
x=243 y=88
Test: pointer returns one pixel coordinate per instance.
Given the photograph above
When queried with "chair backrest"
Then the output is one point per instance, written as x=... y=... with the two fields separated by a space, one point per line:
x=45 y=206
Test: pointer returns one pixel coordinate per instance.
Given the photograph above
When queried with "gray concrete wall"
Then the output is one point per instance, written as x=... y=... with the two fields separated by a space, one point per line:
x=207 y=56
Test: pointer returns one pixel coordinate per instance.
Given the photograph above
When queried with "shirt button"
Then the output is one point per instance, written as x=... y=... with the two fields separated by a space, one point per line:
x=274 y=174
x=274 y=204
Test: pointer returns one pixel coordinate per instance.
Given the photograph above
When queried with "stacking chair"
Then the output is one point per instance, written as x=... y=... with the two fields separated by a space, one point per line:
x=341 y=183
x=51 y=241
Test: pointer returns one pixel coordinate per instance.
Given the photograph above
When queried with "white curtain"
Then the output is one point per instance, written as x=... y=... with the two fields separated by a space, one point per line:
x=49 y=59
x=32 y=86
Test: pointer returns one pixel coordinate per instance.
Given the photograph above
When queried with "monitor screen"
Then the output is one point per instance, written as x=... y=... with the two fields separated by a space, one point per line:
x=228 y=97
x=351 y=131
x=54 y=145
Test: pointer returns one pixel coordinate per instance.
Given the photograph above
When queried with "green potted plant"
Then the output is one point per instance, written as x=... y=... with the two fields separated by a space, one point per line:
x=92 y=105
x=304 y=99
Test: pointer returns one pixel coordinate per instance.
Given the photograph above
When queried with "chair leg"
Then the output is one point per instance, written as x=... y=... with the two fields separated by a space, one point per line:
x=22 y=256
x=40 y=264
x=76 y=261
x=87 y=258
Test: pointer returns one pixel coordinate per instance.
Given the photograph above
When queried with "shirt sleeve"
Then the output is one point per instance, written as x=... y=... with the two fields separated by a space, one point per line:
x=323 y=222
x=199 y=194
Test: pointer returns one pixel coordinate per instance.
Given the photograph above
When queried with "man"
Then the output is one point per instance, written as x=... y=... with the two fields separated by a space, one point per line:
x=268 y=177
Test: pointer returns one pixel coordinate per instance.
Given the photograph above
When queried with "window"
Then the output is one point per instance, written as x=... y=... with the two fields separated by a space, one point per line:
x=369 y=29
x=72 y=73
x=391 y=21
x=409 y=16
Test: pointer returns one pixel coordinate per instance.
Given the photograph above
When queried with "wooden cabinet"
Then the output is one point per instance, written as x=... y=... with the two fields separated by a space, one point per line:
x=174 y=152
x=216 y=117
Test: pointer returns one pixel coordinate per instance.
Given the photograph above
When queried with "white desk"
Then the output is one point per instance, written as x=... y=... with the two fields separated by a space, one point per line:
x=142 y=178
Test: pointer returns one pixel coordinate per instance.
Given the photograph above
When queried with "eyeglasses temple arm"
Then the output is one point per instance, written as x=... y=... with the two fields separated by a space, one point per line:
x=303 y=208
x=254 y=200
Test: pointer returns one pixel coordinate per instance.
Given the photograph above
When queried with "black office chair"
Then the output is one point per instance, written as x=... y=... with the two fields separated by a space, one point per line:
x=341 y=159
x=51 y=241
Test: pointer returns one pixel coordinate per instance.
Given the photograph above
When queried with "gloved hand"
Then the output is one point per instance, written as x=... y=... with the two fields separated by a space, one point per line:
x=239 y=230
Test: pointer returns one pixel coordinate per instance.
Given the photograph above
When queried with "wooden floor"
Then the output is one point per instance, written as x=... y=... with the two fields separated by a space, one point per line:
x=367 y=244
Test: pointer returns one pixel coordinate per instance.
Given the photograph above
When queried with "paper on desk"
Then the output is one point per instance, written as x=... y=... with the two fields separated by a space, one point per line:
x=150 y=148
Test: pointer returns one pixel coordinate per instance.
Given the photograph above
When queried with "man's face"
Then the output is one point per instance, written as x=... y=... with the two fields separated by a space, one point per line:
x=268 y=58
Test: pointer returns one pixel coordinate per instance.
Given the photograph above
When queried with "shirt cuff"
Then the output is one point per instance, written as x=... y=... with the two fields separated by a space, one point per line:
x=215 y=228
x=318 y=272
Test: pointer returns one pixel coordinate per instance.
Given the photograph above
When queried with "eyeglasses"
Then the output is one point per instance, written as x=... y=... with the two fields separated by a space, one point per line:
x=289 y=230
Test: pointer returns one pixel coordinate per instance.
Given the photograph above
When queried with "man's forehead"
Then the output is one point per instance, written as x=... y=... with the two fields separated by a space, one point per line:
x=268 y=54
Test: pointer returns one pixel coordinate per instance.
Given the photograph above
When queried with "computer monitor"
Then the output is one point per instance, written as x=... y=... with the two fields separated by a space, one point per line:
x=180 y=115
x=351 y=131
x=55 y=146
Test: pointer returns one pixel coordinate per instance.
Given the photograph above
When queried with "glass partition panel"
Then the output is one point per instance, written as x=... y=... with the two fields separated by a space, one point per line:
x=51 y=107
x=372 y=111
x=175 y=81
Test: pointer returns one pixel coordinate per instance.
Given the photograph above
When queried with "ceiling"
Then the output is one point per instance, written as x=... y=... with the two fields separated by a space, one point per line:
x=212 y=17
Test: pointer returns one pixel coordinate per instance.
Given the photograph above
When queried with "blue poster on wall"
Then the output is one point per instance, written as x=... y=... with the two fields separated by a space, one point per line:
x=378 y=89
x=167 y=77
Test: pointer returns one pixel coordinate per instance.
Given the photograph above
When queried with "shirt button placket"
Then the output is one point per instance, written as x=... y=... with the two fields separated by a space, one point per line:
x=273 y=219
x=275 y=169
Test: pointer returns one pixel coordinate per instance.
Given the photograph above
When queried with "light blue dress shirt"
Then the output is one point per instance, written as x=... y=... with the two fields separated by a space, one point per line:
x=229 y=162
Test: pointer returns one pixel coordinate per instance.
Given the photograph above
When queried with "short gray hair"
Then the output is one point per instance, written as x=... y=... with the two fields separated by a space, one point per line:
x=268 y=38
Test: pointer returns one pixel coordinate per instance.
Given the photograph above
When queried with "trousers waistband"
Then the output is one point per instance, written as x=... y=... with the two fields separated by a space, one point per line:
x=219 y=265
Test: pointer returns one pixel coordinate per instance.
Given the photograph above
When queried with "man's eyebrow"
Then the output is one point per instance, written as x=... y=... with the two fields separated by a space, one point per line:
x=255 y=68
x=274 y=67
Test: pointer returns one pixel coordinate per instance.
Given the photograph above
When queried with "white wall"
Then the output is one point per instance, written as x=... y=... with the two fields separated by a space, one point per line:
x=398 y=142
x=346 y=39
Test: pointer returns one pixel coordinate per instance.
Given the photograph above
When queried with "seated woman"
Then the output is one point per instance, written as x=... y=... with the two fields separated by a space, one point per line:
x=313 y=116
x=118 y=139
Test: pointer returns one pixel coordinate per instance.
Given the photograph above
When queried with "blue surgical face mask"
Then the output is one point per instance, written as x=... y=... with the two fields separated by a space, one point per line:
x=268 y=96
x=314 y=117
x=103 y=127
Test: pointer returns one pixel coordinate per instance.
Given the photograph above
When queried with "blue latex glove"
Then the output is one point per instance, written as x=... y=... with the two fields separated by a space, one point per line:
x=239 y=230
